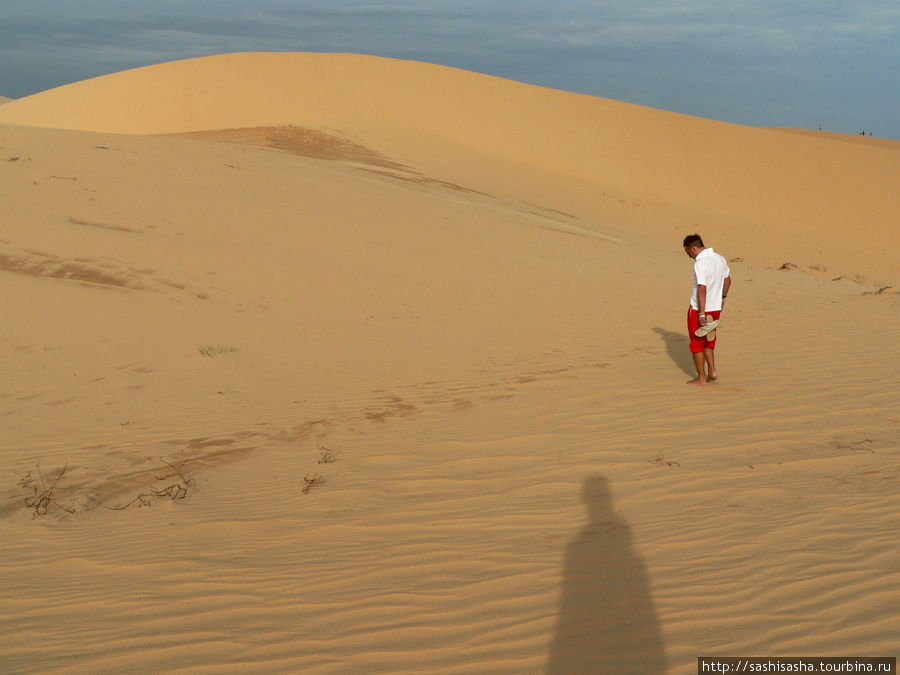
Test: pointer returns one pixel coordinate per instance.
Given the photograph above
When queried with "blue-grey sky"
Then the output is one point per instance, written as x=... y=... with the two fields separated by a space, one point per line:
x=797 y=63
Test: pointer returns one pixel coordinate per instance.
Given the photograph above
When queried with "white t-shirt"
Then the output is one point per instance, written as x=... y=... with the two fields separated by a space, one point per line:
x=710 y=270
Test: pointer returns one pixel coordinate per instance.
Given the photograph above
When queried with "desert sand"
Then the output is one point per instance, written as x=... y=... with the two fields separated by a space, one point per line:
x=331 y=363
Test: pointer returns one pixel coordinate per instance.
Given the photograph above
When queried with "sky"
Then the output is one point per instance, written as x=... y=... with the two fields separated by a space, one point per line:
x=829 y=64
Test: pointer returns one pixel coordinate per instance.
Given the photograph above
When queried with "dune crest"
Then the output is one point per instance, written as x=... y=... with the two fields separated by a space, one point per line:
x=888 y=143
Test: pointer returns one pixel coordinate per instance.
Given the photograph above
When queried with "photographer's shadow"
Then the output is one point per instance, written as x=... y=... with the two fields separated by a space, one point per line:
x=607 y=621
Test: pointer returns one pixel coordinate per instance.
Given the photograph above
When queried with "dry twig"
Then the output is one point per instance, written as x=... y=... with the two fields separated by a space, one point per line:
x=312 y=480
x=177 y=489
x=660 y=460
x=855 y=445
x=327 y=455
x=41 y=498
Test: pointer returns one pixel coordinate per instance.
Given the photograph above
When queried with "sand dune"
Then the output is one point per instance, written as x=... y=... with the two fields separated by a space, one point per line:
x=329 y=363
x=742 y=183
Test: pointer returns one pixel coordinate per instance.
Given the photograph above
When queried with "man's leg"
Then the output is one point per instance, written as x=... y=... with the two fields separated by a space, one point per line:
x=709 y=356
x=700 y=365
x=697 y=347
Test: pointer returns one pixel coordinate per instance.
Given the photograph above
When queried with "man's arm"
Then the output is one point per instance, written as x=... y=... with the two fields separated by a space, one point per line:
x=701 y=302
x=725 y=287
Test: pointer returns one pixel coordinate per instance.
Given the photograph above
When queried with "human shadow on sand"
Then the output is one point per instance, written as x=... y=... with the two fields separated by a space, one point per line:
x=678 y=347
x=607 y=621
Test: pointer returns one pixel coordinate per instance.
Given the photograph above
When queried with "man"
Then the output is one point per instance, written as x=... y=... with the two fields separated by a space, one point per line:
x=712 y=280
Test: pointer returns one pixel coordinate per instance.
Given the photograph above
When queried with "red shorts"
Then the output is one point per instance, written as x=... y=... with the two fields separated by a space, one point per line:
x=698 y=344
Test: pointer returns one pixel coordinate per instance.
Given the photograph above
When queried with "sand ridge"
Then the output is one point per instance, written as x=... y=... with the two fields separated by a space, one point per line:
x=327 y=393
x=847 y=138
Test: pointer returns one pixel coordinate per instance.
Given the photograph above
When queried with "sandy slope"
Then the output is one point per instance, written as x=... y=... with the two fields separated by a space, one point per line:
x=743 y=184
x=471 y=293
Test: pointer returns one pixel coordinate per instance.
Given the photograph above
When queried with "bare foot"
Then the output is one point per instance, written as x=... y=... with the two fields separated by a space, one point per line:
x=697 y=382
x=713 y=376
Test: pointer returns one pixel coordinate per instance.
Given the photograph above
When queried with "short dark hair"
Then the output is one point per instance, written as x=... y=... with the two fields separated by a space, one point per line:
x=693 y=240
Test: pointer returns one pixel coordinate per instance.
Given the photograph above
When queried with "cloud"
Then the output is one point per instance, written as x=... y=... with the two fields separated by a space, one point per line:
x=681 y=56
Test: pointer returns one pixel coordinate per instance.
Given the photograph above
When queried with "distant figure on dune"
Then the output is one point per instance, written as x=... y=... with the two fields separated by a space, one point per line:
x=712 y=280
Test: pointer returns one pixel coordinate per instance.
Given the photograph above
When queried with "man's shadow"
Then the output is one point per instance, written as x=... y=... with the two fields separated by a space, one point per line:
x=607 y=621
x=678 y=347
